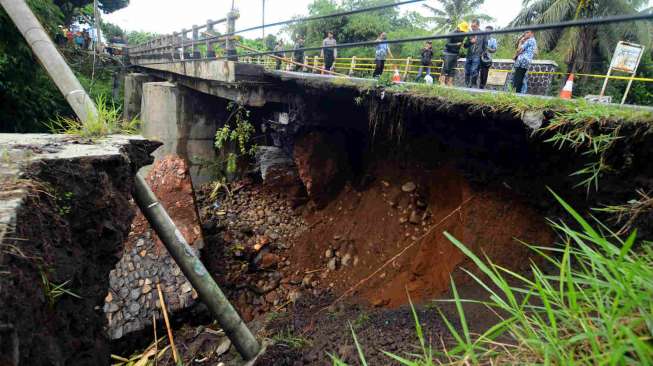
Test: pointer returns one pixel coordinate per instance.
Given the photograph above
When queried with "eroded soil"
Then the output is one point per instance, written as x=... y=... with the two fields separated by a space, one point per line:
x=314 y=270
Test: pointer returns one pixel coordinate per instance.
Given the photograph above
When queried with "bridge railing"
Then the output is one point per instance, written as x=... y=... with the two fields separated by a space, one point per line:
x=199 y=41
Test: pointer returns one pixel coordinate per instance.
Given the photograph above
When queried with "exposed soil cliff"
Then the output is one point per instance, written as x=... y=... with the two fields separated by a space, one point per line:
x=65 y=232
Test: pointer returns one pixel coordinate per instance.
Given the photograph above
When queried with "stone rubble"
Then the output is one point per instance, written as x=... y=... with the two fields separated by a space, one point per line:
x=257 y=227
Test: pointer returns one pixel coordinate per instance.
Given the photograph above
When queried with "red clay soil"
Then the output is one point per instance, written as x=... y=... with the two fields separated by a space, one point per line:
x=170 y=181
x=374 y=227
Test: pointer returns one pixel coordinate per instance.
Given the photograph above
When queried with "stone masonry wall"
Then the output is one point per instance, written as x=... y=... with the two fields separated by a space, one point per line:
x=132 y=298
x=538 y=84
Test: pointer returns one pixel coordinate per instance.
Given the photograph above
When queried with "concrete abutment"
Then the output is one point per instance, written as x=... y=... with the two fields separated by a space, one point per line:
x=185 y=121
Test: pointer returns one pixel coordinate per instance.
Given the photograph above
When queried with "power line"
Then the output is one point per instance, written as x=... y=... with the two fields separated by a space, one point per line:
x=308 y=19
x=319 y=17
x=537 y=27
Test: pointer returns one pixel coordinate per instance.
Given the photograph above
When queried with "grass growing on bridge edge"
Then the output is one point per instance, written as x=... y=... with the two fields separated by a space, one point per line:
x=596 y=308
x=574 y=111
x=109 y=121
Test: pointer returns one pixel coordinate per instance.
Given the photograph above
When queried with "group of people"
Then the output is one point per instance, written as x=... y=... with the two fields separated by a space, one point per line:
x=478 y=58
x=84 y=39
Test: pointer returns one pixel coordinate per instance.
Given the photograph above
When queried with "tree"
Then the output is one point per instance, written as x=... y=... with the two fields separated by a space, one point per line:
x=584 y=46
x=137 y=37
x=28 y=98
x=73 y=8
x=110 y=31
x=359 y=27
x=455 y=11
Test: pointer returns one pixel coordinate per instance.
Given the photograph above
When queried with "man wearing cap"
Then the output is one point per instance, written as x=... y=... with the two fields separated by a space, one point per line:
x=451 y=53
x=486 y=58
x=475 y=46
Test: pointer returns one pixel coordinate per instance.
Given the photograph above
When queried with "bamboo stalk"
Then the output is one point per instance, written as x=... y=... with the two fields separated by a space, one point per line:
x=156 y=341
x=175 y=356
x=194 y=270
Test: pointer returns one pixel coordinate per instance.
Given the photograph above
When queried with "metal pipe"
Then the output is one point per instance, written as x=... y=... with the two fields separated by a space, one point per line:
x=48 y=55
x=195 y=271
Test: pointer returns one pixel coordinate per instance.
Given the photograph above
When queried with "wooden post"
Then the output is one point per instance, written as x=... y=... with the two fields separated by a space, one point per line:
x=352 y=66
x=231 y=28
x=408 y=61
x=316 y=63
x=173 y=45
x=210 y=52
x=182 y=35
x=194 y=50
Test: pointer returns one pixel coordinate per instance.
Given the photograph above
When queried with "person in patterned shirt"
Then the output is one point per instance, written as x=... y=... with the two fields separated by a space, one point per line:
x=525 y=54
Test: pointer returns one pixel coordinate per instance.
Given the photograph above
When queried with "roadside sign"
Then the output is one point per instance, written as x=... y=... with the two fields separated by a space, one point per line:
x=626 y=58
x=496 y=78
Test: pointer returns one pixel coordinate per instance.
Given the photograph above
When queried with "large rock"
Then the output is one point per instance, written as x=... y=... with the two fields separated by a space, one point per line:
x=322 y=161
x=278 y=170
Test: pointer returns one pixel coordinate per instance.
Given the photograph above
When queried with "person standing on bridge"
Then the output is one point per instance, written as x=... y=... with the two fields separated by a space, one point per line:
x=451 y=53
x=486 y=58
x=475 y=46
x=382 y=52
x=278 y=51
x=329 y=51
x=525 y=54
x=298 y=54
x=425 y=60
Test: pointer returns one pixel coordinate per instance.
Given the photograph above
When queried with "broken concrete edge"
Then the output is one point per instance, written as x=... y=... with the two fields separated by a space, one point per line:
x=536 y=116
x=44 y=234
x=19 y=152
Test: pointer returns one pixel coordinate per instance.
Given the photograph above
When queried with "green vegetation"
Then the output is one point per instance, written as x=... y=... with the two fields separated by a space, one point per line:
x=108 y=121
x=593 y=308
x=233 y=140
x=586 y=127
x=452 y=12
x=28 y=97
x=289 y=339
x=52 y=291
x=581 y=45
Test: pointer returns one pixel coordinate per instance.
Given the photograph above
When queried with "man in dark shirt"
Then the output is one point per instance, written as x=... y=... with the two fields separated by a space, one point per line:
x=278 y=51
x=329 y=51
x=298 y=54
x=425 y=62
x=451 y=53
x=475 y=46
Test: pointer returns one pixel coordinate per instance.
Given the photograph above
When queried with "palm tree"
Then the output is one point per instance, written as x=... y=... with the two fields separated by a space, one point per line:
x=582 y=45
x=453 y=12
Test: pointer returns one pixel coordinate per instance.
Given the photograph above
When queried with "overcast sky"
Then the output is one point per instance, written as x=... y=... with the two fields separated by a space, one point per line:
x=166 y=16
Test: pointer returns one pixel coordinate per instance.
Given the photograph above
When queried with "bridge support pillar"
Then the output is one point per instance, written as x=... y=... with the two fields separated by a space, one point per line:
x=133 y=94
x=185 y=121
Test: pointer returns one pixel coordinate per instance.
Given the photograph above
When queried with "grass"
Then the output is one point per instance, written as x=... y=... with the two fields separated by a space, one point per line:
x=590 y=129
x=108 y=121
x=53 y=292
x=289 y=339
x=595 y=308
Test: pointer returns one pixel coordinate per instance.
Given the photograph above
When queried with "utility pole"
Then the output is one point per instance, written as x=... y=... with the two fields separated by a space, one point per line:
x=263 y=22
x=210 y=293
x=98 y=31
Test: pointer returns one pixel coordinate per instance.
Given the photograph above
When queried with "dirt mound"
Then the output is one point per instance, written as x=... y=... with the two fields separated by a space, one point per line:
x=171 y=183
x=378 y=243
